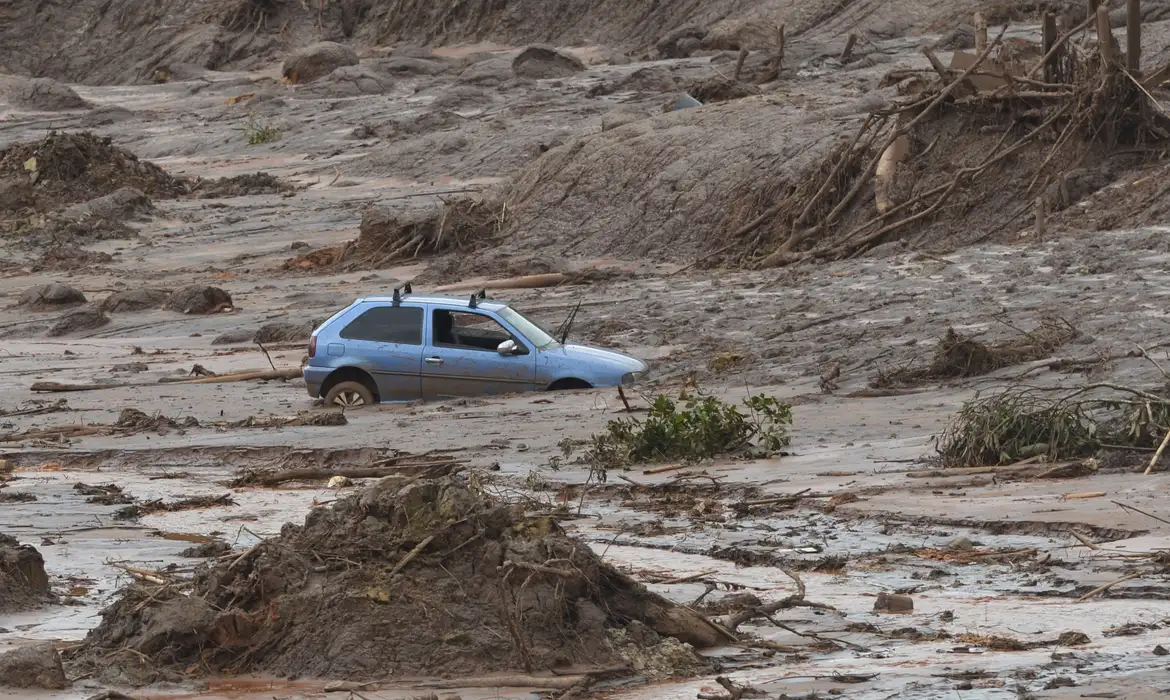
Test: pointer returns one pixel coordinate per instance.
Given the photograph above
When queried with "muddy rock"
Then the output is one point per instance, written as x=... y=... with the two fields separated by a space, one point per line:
x=539 y=62
x=286 y=332
x=367 y=621
x=235 y=337
x=36 y=666
x=681 y=42
x=893 y=604
x=351 y=81
x=44 y=94
x=122 y=203
x=317 y=61
x=135 y=300
x=78 y=321
x=197 y=299
x=70 y=257
x=410 y=65
x=23 y=581
x=51 y=296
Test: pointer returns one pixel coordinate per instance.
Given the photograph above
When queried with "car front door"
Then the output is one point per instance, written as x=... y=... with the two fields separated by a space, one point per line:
x=461 y=357
x=387 y=342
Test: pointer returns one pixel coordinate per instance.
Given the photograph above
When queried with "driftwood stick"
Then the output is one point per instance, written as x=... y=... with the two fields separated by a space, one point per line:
x=1107 y=586
x=412 y=554
x=1059 y=43
x=1133 y=37
x=1157 y=454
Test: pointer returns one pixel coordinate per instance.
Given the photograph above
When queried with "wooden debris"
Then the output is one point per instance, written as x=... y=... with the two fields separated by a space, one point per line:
x=403 y=467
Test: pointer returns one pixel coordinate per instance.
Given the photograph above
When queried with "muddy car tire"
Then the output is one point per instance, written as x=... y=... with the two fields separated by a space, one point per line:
x=349 y=395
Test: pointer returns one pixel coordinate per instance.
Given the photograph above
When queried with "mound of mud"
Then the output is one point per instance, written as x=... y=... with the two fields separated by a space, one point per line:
x=121 y=204
x=198 y=299
x=60 y=258
x=135 y=300
x=68 y=168
x=23 y=581
x=406 y=577
x=242 y=185
x=317 y=61
x=645 y=190
x=539 y=62
x=388 y=234
x=350 y=81
x=50 y=296
x=44 y=94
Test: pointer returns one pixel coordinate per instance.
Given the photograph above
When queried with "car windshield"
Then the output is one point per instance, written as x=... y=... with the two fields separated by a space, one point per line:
x=539 y=337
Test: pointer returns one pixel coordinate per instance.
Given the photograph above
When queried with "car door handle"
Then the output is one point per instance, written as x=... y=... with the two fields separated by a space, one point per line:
x=434 y=360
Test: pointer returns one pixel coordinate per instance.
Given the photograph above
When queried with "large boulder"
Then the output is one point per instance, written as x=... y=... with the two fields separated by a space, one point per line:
x=43 y=94
x=317 y=61
x=197 y=299
x=50 y=296
x=539 y=62
x=37 y=666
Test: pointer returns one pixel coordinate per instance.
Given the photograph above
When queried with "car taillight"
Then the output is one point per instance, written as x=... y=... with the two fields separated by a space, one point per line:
x=312 y=346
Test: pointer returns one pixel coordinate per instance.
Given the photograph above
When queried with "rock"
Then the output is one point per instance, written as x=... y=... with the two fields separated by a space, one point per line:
x=78 y=321
x=681 y=42
x=409 y=65
x=23 y=564
x=317 y=61
x=197 y=299
x=351 y=81
x=50 y=296
x=540 y=62
x=242 y=335
x=122 y=203
x=37 y=666
x=286 y=332
x=1161 y=651
x=43 y=94
x=961 y=37
x=135 y=300
x=893 y=603
x=339 y=482
x=960 y=544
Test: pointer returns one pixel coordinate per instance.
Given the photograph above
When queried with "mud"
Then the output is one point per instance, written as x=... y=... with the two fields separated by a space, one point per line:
x=586 y=175
x=23 y=581
x=357 y=574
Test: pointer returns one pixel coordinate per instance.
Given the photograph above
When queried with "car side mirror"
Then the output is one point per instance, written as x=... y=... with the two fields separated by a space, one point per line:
x=508 y=347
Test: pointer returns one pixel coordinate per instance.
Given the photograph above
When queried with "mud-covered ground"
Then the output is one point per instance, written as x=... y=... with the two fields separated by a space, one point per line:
x=825 y=338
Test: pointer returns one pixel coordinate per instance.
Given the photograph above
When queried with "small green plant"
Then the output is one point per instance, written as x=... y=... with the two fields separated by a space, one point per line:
x=690 y=429
x=259 y=132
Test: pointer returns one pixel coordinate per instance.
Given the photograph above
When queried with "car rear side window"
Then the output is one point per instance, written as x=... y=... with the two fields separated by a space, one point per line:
x=387 y=324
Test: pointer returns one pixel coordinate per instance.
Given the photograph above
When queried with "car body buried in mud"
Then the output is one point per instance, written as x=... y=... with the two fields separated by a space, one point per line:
x=407 y=347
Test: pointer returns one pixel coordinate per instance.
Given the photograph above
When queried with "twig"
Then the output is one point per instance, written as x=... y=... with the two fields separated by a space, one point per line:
x=1139 y=510
x=411 y=555
x=1107 y=586
x=270 y=362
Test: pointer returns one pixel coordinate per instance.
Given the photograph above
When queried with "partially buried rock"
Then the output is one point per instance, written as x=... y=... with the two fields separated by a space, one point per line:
x=37 y=666
x=122 y=203
x=544 y=62
x=197 y=299
x=285 y=332
x=351 y=81
x=43 y=94
x=135 y=300
x=316 y=61
x=51 y=296
x=893 y=603
x=78 y=321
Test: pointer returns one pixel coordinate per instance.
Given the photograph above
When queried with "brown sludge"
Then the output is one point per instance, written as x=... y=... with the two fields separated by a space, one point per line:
x=406 y=577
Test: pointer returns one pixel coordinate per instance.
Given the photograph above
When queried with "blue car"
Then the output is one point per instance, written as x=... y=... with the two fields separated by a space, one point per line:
x=406 y=347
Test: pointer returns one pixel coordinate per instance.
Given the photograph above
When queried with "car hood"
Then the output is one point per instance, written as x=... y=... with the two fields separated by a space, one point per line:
x=598 y=356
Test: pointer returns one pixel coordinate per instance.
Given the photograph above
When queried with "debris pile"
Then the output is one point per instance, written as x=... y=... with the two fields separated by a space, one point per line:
x=68 y=168
x=406 y=577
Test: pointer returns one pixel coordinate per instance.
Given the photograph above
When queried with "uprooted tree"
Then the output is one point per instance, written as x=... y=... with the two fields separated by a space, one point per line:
x=911 y=164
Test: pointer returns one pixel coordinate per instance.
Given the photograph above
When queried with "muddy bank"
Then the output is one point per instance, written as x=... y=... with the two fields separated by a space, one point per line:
x=23 y=582
x=407 y=576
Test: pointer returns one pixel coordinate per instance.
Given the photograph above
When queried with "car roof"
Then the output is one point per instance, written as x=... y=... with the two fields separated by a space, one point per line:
x=485 y=304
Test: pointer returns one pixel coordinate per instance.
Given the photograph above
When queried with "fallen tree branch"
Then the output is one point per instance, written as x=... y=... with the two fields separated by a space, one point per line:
x=218 y=379
x=796 y=600
x=439 y=467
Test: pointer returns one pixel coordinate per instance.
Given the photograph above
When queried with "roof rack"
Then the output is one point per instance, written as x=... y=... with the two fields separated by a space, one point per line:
x=473 y=302
x=398 y=297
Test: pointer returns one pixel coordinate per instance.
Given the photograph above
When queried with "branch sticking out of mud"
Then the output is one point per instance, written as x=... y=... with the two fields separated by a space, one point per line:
x=796 y=600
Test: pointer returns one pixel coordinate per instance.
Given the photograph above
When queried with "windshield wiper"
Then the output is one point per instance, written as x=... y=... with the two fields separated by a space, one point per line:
x=563 y=331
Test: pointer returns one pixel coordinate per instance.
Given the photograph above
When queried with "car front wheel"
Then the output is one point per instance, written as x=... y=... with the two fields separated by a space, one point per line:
x=349 y=395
